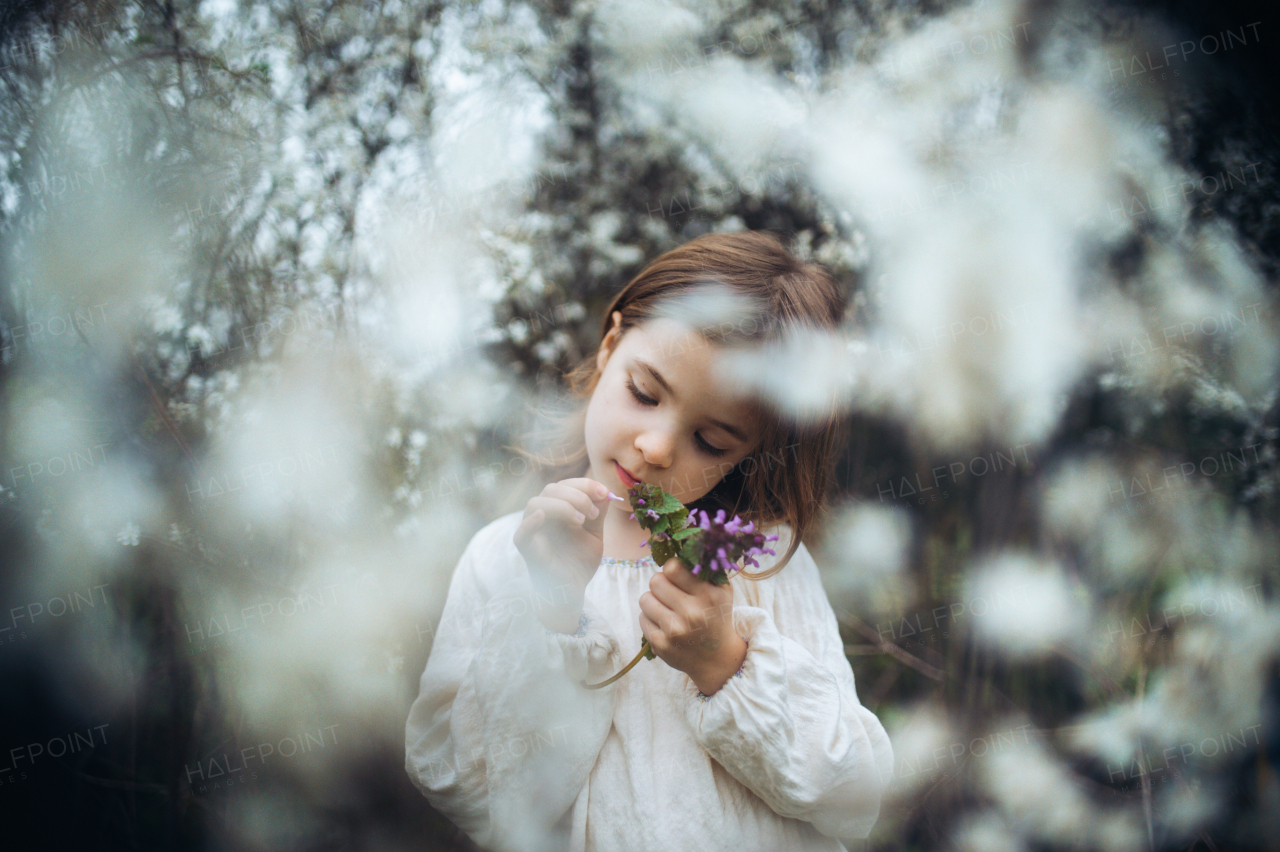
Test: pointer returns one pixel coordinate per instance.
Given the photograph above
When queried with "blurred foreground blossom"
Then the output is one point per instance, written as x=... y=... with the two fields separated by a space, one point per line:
x=282 y=287
x=1032 y=606
x=804 y=374
x=865 y=558
x=1038 y=796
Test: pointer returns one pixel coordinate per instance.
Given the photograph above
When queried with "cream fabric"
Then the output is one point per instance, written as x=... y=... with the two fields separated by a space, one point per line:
x=503 y=740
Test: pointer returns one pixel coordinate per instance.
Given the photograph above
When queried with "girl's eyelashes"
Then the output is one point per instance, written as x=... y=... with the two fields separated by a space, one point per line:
x=648 y=400
x=640 y=398
x=715 y=451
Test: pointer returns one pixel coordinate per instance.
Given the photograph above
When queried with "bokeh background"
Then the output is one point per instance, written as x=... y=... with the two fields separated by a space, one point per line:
x=283 y=284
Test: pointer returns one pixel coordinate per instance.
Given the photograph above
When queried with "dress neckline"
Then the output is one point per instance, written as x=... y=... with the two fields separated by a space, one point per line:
x=643 y=562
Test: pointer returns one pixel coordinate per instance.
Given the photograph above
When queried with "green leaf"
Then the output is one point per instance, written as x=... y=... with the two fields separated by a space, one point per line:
x=670 y=504
x=689 y=553
x=662 y=551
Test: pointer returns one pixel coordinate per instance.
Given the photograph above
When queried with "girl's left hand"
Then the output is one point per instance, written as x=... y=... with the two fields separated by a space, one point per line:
x=689 y=624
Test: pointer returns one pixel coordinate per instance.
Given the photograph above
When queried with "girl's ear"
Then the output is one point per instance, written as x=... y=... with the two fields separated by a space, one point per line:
x=610 y=341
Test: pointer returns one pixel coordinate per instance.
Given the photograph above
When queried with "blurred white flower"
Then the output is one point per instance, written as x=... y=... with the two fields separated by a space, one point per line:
x=918 y=740
x=644 y=31
x=1225 y=602
x=987 y=832
x=805 y=374
x=128 y=534
x=864 y=556
x=1028 y=604
x=1100 y=507
x=1184 y=811
x=744 y=114
x=1112 y=734
x=1035 y=792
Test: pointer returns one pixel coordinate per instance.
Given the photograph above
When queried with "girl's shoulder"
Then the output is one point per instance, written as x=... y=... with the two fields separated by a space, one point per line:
x=796 y=595
x=799 y=572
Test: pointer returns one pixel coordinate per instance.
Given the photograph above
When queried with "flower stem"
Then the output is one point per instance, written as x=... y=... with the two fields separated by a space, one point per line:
x=644 y=651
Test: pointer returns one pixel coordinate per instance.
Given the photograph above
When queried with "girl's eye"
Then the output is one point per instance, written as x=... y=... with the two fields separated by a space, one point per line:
x=648 y=400
x=715 y=451
x=640 y=398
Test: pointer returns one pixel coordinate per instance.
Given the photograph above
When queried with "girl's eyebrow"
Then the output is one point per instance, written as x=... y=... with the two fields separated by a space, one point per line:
x=732 y=430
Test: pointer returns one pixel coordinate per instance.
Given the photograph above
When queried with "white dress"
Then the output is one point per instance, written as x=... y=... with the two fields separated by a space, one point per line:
x=504 y=741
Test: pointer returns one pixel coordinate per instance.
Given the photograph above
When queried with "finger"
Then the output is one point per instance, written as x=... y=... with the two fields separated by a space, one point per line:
x=650 y=630
x=531 y=523
x=591 y=488
x=573 y=496
x=668 y=594
x=660 y=614
x=680 y=576
x=653 y=608
x=597 y=493
x=557 y=510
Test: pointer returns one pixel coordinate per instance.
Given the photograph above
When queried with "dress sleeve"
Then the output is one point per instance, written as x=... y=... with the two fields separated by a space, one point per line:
x=502 y=737
x=790 y=728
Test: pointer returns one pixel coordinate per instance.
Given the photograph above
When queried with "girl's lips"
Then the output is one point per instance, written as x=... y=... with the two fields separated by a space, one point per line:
x=627 y=479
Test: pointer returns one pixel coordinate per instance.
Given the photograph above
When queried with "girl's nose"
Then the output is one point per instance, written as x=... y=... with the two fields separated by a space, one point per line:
x=656 y=446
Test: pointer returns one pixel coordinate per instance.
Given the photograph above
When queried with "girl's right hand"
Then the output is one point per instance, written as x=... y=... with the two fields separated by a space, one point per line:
x=562 y=540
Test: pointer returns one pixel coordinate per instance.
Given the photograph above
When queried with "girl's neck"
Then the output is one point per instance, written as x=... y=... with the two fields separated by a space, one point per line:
x=623 y=537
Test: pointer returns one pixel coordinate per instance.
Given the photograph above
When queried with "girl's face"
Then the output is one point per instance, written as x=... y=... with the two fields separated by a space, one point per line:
x=658 y=414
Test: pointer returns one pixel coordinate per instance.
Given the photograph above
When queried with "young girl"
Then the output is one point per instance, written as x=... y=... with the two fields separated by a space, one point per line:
x=747 y=732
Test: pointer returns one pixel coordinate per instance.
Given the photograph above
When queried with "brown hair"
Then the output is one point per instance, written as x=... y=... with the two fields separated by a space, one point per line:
x=790 y=465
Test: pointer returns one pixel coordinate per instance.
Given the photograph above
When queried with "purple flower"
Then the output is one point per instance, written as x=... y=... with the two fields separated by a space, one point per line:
x=712 y=545
x=692 y=535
